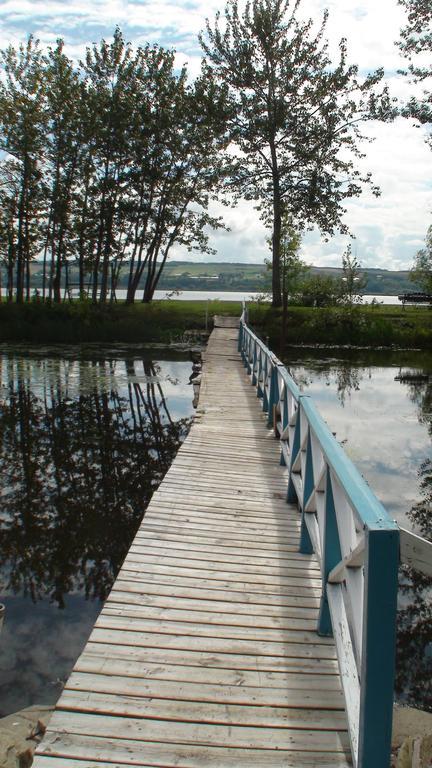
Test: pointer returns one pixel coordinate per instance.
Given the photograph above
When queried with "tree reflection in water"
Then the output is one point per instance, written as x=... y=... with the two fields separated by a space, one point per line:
x=345 y=377
x=340 y=373
x=79 y=460
x=414 y=647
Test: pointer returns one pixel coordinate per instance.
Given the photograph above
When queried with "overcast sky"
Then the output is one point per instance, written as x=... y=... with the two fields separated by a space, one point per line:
x=388 y=230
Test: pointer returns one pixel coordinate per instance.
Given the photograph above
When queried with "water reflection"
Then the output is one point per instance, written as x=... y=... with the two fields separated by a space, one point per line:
x=83 y=444
x=381 y=409
x=414 y=647
x=383 y=423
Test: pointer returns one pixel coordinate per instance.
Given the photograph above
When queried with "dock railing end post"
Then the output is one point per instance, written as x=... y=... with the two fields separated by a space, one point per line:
x=378 y=647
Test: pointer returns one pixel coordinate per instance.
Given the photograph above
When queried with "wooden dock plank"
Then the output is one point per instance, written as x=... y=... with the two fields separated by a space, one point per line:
x=206 y=653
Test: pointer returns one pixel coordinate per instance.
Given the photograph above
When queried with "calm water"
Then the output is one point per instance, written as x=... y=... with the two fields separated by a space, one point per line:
x=228 y=296
x=86 y=437
x=240 y=296
x=380 y=407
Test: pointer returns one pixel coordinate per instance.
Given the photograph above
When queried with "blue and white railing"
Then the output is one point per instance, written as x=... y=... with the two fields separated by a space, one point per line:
x=355 y=541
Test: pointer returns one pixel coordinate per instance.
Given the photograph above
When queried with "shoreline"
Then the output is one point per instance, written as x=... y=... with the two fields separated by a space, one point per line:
x=188 y=322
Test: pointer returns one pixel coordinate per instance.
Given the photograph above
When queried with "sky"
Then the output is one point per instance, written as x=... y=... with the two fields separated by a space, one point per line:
x=388 y=230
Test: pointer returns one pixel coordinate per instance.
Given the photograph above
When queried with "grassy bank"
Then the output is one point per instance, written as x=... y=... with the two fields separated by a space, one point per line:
x=161 y=321
x=167 y=321
x=373 y=326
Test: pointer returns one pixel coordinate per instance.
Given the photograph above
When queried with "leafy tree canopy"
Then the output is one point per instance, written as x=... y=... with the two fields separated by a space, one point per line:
x=108 y=162
x=421 y=273
x=416 y=45
x=353 y=280
x=295 y=115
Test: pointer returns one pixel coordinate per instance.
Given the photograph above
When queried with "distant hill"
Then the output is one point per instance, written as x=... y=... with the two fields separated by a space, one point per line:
x=237 y=276
x=240 y=277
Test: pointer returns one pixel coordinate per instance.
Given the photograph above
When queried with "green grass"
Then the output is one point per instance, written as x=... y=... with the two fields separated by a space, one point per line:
x=386 y=326
x=168 y=321
x=160 y=321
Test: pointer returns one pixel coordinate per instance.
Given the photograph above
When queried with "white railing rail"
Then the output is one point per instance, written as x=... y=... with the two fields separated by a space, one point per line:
x=355 y=541
x=416 y=552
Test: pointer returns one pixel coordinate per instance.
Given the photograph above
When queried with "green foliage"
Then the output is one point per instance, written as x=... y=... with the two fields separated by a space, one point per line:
x=353 y=280
x=292 y=269
x=82 y=321
x=421 y=273
x=383 y=326
x=295 y=115
x=416 y=45
x=319 y=291
x=169 y=321
x=109 y=162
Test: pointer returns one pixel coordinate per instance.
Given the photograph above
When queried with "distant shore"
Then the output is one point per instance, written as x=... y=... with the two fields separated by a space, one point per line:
x=181 y=321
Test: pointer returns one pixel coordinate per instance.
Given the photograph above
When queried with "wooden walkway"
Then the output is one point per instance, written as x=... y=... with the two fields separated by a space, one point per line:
x=205 y=653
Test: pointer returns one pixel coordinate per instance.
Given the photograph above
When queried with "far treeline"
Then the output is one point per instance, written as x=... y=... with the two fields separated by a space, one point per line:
x=109 y=163
x=181 y=276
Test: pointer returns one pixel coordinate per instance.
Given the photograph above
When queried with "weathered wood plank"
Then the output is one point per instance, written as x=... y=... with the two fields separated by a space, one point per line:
x=190 y=616
x=111 y=663
x=113 y=632
x=235 y=736
x=172 y=690
x=228 y=713
x=147 y=546
x=197 y=591
x=166 y=755
x=108 y=644
x=237 y=612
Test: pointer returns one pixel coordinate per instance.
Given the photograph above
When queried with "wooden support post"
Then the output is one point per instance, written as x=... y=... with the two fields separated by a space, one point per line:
x=306 y=547
x=378 y=646
x=331 y=556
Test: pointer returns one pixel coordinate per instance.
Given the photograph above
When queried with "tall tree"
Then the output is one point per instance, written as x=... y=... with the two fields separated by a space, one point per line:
x=416 y=45
x=353 y=280
x=9 y=197
x=295 y=116
x=109 y=76
x=111 y=160
x=22 y=137
x=421 y=273
x=176 y=165
x=63 y=146
x=292 y=270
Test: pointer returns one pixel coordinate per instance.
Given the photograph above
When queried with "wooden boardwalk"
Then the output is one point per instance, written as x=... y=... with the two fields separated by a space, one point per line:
x=205 y=653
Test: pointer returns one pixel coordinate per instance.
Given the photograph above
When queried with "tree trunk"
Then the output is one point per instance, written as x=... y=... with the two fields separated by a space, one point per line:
x=20 y=243
x=277 y=229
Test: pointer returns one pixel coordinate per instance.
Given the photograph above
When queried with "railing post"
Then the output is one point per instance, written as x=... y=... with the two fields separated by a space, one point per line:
x=248 y=355
x=274 y=396
x=265 y=405
x=240 y=337
x=254 y=362
x=378 y=646
x=294 y=449
x=306 y=546
x=331 y=556
x=259 y=374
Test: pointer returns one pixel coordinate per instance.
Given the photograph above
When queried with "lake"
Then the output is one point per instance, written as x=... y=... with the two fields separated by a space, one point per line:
x=238 y=296
x=88 y=432
x=225 y=296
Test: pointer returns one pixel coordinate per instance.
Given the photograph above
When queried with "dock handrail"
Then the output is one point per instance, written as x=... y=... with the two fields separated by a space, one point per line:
x=355 y=541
